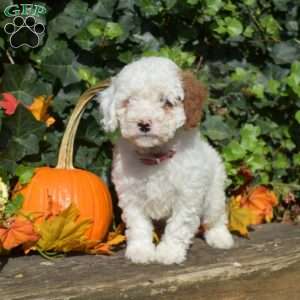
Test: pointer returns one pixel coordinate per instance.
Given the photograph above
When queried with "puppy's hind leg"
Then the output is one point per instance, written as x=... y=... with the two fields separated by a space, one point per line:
x=215 y=218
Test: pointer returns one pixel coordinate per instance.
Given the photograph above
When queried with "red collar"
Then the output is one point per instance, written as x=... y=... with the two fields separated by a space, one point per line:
x=156 y=158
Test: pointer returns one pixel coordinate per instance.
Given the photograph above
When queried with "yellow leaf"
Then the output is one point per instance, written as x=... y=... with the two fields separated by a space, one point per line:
x=239 y=217
x=117 y=240
x=116 y=237
x=119 y=230
x=39 y=109
x=63 y=232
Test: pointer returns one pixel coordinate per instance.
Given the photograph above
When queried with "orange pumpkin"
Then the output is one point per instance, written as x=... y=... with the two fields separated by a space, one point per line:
x=53 y=189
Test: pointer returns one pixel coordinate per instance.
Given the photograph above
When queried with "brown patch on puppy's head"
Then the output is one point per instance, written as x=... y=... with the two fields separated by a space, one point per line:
x=195 y=94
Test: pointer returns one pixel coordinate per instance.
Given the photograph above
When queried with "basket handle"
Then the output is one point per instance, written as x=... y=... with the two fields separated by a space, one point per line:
x=66 y=149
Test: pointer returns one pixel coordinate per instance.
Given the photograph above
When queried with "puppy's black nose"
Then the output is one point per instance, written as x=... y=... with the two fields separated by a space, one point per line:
x=144 y=126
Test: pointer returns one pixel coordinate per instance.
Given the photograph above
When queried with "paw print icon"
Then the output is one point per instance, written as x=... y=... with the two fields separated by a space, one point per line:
x=24 y=32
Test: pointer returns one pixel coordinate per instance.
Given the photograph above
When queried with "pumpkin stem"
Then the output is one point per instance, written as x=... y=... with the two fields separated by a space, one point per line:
x=65 y=154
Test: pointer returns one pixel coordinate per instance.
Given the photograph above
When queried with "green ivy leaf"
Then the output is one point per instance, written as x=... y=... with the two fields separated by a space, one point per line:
x=113 y=30
x=193 y=2
x=293 y=80
x=213 y=6
x=250 y=2
x=249 y=137
x=85 y=156
x=234 y=151
x=104 y=8
x=257 y=162
x=258 y=90
x=96 y=28
x=234 y=26
x=271 y=26
x=285 y=52
x=126 y=5
x=24 y=136
x=239 y=74
x=170 y=3
x=73 y=19
x=264 y=178
x=297 y=116
x=24 y=173
x=14 y=206
x=62 y=65
x=216 y=128
x=51 y=46
x=85 y=40
x=249 y=31
x=288 y=144
x=296 y=159
x=273 y=86
x=280 y=161
x=181 y=58
x=21 y=80
x=87 y=75
x=149 y=7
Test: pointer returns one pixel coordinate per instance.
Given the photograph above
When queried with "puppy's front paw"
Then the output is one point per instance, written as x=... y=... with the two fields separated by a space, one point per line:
x=140 y=253
x=170 y=253
x=219 y=237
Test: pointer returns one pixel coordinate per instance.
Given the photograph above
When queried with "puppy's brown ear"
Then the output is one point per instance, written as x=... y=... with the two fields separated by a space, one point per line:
x=195 y=94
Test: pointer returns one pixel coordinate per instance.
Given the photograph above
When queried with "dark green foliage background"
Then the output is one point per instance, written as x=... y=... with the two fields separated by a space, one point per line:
x=246 y=51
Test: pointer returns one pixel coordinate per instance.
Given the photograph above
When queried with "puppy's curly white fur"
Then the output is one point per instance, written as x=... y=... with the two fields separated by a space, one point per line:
x=162 y=168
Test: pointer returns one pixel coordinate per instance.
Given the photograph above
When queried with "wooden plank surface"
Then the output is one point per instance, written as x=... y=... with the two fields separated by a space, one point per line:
x=265 y=267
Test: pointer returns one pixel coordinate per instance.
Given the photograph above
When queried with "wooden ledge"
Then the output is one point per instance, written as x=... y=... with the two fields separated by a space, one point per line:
x=265 y=267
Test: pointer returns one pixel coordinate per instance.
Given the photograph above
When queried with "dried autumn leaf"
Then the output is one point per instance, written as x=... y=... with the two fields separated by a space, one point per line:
x=63 y=232
x=114 y=239
x=239 y=217
x=105 y=248
x=17 y=231
x=9 y=103
x=101 y=248
x=117 y=240
x=260 y=201
x=246 y=173
x=39 y=109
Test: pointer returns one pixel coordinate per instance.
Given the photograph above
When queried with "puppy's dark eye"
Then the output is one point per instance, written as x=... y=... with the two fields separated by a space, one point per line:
x=168 y=104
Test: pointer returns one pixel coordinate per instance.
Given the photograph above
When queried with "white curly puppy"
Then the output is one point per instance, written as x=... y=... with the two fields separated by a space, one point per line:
x=162 y=169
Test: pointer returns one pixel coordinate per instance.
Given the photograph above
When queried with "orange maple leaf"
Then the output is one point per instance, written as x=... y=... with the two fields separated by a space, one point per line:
x=260 y=201
x=39 y=109
x=17 y=231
